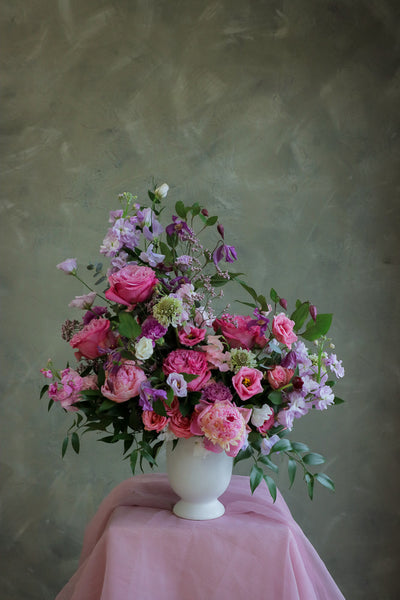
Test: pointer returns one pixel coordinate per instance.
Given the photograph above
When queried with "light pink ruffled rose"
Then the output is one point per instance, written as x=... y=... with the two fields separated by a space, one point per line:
x=154 y=422
x=192 y=362
x=94 y=339
x=282 y=328
x=279 y=376
x=223 y=425
x=123 y=383
x=238 y=333
x=247 y=382
x=193 y=336
x=131 y=284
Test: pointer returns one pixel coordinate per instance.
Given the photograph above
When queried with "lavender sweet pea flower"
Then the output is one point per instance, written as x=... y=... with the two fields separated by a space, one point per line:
x=69 y=266
x=151 y=257
x=224 y=251
x=156 y=229
x=268 y=443
x=114 y=215
x=177 y=383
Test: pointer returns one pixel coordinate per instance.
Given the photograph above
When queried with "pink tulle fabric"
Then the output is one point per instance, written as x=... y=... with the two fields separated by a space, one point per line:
x=135 y=548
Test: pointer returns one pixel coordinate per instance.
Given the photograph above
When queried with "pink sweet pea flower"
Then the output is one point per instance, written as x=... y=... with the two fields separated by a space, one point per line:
x=247 y=382
x=282 y=328
x=84 y=301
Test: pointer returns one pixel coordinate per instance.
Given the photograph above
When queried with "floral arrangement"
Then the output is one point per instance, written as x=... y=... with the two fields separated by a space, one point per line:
x=155 y=363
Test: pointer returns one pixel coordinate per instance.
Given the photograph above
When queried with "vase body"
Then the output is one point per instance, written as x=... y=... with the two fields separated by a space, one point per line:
x=199 y=477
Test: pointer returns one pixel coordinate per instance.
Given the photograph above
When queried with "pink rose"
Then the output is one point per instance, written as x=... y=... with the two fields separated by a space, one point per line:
x=247 y=382
x=94 y=339
x=282 y=328
x=279 y=376
x=223 y=425
x=178 y=424
x=123 y=383
x=131 y=284
x=238 y=333
x=68 y=390
x=192 y=337
x=154 y=422
x=192 y=362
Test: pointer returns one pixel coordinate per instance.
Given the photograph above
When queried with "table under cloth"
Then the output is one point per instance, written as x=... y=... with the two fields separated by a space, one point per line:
x=135 y=548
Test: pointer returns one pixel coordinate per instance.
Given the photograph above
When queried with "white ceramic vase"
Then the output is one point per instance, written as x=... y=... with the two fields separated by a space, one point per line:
x=199 y=477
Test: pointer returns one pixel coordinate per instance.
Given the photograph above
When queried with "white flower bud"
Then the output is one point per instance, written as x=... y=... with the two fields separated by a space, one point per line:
x=162 y=191
x=144 y=348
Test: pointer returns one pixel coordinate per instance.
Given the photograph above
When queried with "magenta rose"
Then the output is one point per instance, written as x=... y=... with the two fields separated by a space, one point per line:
x=123 y=383
x=279 y=376
x=238 y=333
x=192 y=362
x=154 y=422
x=247 y=382
x=282 y=328
x=193 y=337
x=94 y=339
x=131 y=284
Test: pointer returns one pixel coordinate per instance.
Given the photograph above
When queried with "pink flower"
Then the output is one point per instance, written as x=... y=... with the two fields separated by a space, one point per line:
x=282 y=328
x=154 y=422
x=238 y=333
x=279 y=376
x=85 y=301
x=68 y=391
x=69 y=266
x=124 y=383
x=216 y=356
x=192 y=362
x=247 y=382
x=178 y=424
x=131 y=284
x=223 y=424
x=192 y=337
x=94 y=339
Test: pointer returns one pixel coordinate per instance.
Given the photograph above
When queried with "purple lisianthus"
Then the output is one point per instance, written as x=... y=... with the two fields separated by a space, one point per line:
x=84 y=301
x=216 y=392
x=152 y=329
x=261 y=320
x=224 y=251
x=268 y=443
x=148 y=395
x=69 y=266
x=177 y=383
x=179 y=227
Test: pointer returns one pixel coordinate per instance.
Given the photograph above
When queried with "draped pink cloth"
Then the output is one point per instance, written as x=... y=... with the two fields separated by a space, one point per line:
x=135 y=548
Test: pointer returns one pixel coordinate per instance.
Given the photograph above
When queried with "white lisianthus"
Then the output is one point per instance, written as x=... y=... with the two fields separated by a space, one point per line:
x=144 y=348
x=260 y=415
x=162 y=191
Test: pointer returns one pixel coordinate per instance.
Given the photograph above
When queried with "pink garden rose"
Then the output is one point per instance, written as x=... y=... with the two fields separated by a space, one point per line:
x=238 y=333
x=131 y=284
x=154 y=422
x=223 y=425
x=94 y=339
x=192 y=362
x=123 y=383
x=178 y=424
x=282 y=328
x=247 y=382
x=193 y=336
x=279 y=376
x=68 y=390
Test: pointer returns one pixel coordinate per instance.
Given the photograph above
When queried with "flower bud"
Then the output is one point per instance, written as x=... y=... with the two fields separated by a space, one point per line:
x=297 y=383
x=204 y=212
x=283 y=303
x=162 y=191
x=313 y=312
x=220 y=230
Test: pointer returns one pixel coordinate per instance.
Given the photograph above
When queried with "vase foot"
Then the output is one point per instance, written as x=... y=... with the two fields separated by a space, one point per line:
x=196 y=511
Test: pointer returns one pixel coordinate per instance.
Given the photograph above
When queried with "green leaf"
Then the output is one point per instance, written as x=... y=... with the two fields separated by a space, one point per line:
x=44 y=390
x=159 y=408
x=282 y=446
x=133 y=460
x=247 y=303
x=271 y=486
x=64 y=446
x=50 y=404
x=75 y=442
x=248 y=289
x=310 y=484
x=218 y=281
x=180 y=209
x=170 y=396
x=128 y=326
x=275 y=397
x=167 y=252
x=172 y=240
x=256 y=475
x=300 y=315
x=255 y=439
x=274 y=296
x=188 y=377
x=106 y=405
x=263 y=302
x=196 y=208
x=325 y=480
x=313 y=458
x=211 y=221
x=108 y=439
x=315 y=330
x=338 y=400
x=292 y=468
x=268 y=462
x=100 y=280
x=243 y=455
x=300 y=447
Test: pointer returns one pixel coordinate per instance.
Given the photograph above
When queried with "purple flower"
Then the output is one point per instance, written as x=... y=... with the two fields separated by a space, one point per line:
x=335 y=365
x=261 y=320
x=268 y=443
x=69 y=266
x=290 y=360
x=216 y=392
x=325 y=398
x=114 y=215
x=93 y=313
x=156 y=229
x=119 y=262
x=151 y=257
x=148 y=395
x=111 y=243
x=313 y=312
x=179 y=227
x=152 y=329
x=224 y=251
x=84 y=301
x=178 y=384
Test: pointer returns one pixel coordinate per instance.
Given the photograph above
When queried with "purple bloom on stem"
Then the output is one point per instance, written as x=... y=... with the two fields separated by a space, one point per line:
x=290 y=360
x=283 y=303
x=148 y=395
x=220 y=230
x=261 y=320
x=111 y=243
x=224 y=251
x=114 y=215
x=152 y=329
x=84 y=301
x=268 y=443
x=69 y=266
x=313 y=312
x=151 y=257
x=179 y=227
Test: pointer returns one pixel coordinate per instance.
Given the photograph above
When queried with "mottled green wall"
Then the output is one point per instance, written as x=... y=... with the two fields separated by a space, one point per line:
x=282 y=116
